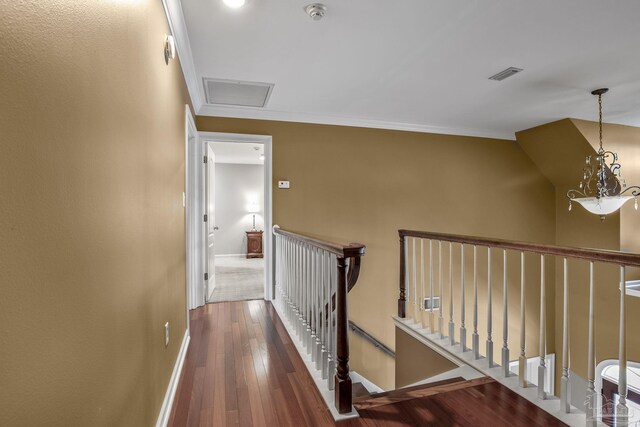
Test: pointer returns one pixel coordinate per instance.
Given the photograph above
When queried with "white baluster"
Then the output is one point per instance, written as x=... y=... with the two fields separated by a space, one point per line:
x=452 y=338
x=440 y=307
x=431 y=283
x=505 y=318
x=522 y=371
x=302 y=285
x=307 y=305
x=285 y=274
x=592 y=395
x=318 y=309
x=463 y=328
x=290 y=291
x=415 y=279
x=489 y=355
x=565 y=404
x=622 y=411
x=422 y=293
x=300 y=269
x=294 y=287
x=314 y=304
x=475 y=338
x=542 y=394
x=326 y=306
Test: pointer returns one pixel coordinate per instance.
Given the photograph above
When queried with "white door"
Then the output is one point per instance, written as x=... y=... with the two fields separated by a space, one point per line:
x=210 y=204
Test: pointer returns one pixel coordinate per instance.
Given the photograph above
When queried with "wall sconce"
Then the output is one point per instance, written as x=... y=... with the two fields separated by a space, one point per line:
x=169 y=49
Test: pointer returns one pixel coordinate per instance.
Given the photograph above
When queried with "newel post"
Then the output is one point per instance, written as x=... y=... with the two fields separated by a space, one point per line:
x=402 y=301
x=342 y=379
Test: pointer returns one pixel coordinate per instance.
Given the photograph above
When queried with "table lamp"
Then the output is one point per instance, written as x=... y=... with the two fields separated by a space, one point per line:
x=254 y=209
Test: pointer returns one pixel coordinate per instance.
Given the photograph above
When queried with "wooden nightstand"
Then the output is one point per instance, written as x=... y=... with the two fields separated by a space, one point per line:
x=254 y=244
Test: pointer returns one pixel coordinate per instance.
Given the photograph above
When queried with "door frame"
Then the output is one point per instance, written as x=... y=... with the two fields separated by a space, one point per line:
x=209 y=225
x=266 y=141
x=194 y=225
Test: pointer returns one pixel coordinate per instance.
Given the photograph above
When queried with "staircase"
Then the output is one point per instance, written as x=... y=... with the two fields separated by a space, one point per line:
x=444 y=278
x=452 y=402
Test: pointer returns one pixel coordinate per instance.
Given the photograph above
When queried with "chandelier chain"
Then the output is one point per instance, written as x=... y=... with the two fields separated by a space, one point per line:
x=600 y=118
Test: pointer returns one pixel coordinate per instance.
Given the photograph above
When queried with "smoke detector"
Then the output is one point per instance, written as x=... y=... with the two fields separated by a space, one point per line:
x=316 y=11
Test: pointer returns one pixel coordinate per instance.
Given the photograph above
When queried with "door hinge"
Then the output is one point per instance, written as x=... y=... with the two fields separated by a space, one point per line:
x=206 y=276
x=204 y=159
x=206 y=217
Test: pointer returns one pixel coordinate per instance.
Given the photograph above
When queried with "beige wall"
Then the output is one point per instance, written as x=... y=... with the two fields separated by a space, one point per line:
x=362 y=185
x=560 y=148
x=415 y=361
x=91 y=220
x=373 y=363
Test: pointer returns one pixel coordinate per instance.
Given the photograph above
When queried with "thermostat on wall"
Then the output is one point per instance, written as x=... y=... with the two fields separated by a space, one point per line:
x=283 y=184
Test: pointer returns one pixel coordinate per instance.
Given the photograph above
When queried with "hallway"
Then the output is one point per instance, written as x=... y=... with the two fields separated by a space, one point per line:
x=242 y=368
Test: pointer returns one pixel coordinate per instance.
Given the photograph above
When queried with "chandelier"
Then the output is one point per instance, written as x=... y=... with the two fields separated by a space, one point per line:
x=602 y=190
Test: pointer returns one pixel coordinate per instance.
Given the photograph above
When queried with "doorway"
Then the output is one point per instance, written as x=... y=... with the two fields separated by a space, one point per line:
x=237 y=202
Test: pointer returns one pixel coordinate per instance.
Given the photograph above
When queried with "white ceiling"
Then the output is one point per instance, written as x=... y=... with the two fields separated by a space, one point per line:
x=423 y=64
x=241 y=153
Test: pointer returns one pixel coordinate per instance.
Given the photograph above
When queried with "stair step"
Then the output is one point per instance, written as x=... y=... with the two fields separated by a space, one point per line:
x=415 y=392
x=359 y=391
x=404 y=390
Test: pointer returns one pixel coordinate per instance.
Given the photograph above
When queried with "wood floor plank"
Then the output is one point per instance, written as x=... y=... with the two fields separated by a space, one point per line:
x=219 y=394
x=270 y=416
x=193 y=417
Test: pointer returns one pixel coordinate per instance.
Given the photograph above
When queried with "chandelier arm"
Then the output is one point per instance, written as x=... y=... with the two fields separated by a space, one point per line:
x=574 y=194
x=635 y=191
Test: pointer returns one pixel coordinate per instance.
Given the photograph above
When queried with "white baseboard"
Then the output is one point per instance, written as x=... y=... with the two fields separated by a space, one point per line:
x=371 y=387
x=230 y=255
x=165 y=410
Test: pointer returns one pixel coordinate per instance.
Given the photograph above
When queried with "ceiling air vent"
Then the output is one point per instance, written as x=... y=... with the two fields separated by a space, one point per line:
x=237 y=93
x=505 y=73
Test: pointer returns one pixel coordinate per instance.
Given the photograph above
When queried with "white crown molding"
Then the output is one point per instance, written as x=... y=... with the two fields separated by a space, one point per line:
x=260 y=114
x=178 y=27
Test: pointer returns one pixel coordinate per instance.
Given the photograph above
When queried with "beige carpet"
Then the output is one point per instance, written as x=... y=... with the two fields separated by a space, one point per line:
x=237 y=279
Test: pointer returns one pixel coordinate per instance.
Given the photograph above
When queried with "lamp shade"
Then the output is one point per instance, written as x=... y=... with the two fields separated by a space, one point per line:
x=603 y=205
x=253 y=208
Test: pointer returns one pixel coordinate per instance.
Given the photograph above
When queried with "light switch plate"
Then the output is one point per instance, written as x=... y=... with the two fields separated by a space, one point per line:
x=166 y=334
x=283 y=184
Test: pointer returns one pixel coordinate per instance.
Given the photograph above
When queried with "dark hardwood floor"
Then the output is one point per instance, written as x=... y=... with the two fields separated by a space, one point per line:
x=242 y=369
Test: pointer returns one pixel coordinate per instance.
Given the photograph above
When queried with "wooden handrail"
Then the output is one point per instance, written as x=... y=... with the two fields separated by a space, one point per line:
x=304 y=313
x=596 y=255
x=350 y=250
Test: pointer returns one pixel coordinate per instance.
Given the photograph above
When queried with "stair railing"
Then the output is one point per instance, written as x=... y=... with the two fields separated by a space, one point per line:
x=312 y=280
x=417 y=296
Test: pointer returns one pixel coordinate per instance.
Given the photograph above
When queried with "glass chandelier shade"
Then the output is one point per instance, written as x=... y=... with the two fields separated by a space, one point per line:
x=602 y=190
